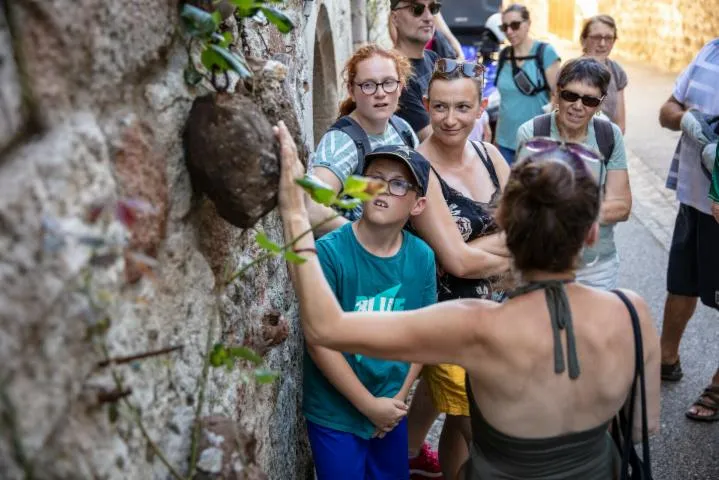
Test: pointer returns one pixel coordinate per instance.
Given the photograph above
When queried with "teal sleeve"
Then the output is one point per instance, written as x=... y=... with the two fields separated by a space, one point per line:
x=618 y=160
x=550 y=56
x=429 y=292
x=714 y=188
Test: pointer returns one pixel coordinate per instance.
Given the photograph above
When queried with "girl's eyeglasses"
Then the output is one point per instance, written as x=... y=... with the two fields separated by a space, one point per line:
x=370 y=87
x=418 y=8
x=587 y=100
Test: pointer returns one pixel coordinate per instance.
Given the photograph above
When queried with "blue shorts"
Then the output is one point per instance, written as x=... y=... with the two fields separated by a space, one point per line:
x=342 y=455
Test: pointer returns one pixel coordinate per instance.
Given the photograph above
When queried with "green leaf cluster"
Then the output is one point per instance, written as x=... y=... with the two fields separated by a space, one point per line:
x=360 y=189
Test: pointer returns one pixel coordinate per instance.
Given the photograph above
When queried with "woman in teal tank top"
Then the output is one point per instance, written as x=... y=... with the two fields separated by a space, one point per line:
x=549 y=368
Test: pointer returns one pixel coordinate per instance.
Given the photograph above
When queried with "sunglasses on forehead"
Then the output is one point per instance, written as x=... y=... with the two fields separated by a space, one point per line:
x=468 y=69
x=417 y=9
x=584 y=158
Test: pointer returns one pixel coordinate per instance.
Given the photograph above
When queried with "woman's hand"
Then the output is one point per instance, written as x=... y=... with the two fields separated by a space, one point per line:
x=715 y=211
x=291 y=196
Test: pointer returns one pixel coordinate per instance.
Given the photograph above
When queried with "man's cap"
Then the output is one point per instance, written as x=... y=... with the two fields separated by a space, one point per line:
x=417 y=164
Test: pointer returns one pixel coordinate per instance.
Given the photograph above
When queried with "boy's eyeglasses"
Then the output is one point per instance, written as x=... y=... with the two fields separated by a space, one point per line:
x=587 y=100
x=370 y=87
x=418 y=8
x=468 y=69
x=511 y=25
x=395 y=187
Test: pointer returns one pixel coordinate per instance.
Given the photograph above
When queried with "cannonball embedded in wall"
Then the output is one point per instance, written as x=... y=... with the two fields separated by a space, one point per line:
x=232 y=156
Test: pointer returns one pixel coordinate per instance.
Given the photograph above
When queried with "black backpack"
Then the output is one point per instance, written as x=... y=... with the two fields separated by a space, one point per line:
x=507 y=54
x=349 y=126
x=602 y=128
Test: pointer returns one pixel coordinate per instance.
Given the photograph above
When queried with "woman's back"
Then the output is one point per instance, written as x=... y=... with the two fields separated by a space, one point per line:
x=517 y=389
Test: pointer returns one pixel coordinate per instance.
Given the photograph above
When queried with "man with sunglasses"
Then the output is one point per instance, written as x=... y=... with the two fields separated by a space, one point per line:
x=355 y=405
x=414 y=22
x=693 y=270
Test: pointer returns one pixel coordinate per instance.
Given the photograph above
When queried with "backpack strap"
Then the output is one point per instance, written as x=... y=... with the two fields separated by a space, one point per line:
x=540 y=65
x=349 y=126
x=605 y=137
x=403 y=130
x=543 y=125
x=503 y=56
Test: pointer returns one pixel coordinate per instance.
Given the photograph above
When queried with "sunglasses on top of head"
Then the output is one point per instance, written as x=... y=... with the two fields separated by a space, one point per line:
x=582 y=156
x=469 y=69
x=587 y=100
x=417 y=9
x=511 y=25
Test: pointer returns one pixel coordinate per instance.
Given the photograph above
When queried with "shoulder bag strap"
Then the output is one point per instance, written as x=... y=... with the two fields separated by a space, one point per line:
x=605 y=138
x=542 y=125
x=640 y=379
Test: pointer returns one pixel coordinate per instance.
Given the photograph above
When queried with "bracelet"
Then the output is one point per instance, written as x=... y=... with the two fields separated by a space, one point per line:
x=308 y=249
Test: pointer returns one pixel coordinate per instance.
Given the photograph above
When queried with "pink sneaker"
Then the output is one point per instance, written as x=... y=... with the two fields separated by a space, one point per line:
x=425 y=464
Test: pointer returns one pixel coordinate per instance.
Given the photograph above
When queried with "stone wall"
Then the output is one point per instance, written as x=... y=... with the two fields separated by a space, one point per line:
x=92 y=107
x=665 y=33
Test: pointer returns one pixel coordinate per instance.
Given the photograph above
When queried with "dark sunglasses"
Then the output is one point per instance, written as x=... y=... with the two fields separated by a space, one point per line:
x=418 y=8
x=511 y=25
x=468 y=69
x=587 y=100
x=583 y=157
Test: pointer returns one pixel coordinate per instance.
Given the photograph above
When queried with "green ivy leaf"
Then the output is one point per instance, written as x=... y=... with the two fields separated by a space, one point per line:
x=246 y=8
x=319 y=191
x=218 y=355
x=291 y=256
x=235 y=62
x=347 y=204
x=264 y=375
x=211 y=60
x=246 y=353
x=229 y=363
x=198 y=22
x=363 y=188
x=267 y=244
x=278 y=19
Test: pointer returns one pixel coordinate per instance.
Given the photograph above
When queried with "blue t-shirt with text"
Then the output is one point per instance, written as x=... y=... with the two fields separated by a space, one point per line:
x=364 y=282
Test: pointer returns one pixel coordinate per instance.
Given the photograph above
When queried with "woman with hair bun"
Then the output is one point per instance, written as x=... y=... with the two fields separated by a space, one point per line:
x=548 y=369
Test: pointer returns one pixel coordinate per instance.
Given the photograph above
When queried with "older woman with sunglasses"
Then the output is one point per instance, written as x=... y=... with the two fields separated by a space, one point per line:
x=540 y=406
x=598 y=36
x=581 y=88
x=526 y=77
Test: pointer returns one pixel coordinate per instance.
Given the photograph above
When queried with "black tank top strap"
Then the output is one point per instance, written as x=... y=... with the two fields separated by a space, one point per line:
x=488 y=164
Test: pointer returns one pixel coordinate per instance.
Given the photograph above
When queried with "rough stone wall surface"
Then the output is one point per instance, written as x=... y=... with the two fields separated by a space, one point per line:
x=665 y=33
x=105 y=80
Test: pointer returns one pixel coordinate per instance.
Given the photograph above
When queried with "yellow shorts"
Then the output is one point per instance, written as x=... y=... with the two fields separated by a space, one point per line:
x=446 y=385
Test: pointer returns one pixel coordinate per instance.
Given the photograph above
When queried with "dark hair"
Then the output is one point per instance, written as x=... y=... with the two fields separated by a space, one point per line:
x=404 y=70
x=455 y=75
x=520 y=9
x=546 y=211
x=605 y=19
x=587 y=70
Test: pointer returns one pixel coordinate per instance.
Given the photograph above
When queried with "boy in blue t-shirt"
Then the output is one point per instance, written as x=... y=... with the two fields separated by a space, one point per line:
x=355 y=405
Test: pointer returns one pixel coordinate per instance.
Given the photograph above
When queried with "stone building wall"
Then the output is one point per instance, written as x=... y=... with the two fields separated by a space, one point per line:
x=664 y=33
x=92 y=107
